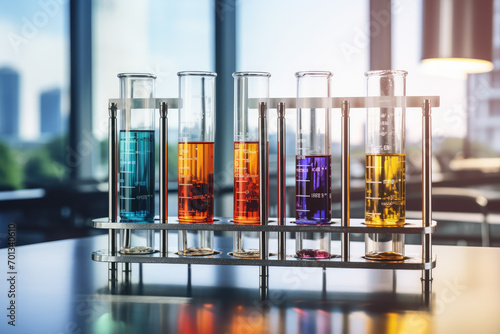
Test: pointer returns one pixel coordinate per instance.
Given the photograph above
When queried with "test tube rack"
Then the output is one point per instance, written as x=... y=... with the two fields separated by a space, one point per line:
x=345 y=225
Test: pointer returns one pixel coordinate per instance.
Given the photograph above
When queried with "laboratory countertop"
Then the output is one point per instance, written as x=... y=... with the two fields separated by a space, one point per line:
x=59 y=289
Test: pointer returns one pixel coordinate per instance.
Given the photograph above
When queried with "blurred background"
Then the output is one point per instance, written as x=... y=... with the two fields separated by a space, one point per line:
x=58 y=69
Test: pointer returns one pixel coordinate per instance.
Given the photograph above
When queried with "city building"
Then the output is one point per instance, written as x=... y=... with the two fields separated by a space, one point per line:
x=50 y=113
x=9 y=103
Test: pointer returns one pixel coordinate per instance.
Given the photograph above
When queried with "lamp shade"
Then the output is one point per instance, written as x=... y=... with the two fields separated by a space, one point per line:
x=457 y=36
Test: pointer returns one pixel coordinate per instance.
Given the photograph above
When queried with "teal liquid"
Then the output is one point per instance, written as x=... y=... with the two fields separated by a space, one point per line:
x=137 y=175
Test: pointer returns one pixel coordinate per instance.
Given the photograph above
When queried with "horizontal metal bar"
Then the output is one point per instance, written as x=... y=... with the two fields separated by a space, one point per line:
x=413 y=263
x=292 y=102
x=224 y=224
x=145 y=103
x=355 y=102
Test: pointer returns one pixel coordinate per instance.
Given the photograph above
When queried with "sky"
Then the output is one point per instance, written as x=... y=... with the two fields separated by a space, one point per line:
x=34 y=40
x=298 y=36
x=164 y=37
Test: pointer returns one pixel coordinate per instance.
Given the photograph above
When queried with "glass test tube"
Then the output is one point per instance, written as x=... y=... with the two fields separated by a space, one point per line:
x=196 y=157
x=385 y=185
x=137 y=160
x=313 y=164
x=246 y=193
x=247 y=85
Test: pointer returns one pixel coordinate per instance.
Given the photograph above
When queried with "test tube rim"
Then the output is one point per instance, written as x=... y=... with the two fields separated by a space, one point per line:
x=326 y=74
x=384 y=73
x=251 y=74
x=197 y=73
x=136 y=75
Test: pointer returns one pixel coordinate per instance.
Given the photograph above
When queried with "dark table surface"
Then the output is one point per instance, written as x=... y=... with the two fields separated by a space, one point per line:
x=59 y=289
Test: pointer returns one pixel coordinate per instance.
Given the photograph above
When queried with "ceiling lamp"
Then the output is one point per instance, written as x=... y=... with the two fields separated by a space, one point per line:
x=457 y=37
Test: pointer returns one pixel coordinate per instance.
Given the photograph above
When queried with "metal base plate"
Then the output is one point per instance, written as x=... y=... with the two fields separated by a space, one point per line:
x=224 y=258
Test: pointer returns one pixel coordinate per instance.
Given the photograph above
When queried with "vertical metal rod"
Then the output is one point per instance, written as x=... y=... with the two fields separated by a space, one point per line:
x=323 y=289
x=281 y=179
x=263 y=281
x=184 y=242
x=113 y=163
x=126 y=238
x=426 y=185
x=345 y=176
x=141 y=277
x=263 y=204
x=112 y=187
x=201 y=239
x=127 y=272
x=263 y=177
x=485 y=228
x=237 y=242
x=163 y=176
x=427 y=294
x=189 y=281
x=394 y=280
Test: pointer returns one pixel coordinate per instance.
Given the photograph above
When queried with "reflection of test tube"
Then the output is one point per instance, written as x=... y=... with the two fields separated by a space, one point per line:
x=196 y=159
x=313 y=161
x=247 y=85
x=137 y=159
x=385 y=184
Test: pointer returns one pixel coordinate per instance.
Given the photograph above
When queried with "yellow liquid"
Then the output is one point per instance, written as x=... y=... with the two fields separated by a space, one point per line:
x=385 y=256
x=385 y=190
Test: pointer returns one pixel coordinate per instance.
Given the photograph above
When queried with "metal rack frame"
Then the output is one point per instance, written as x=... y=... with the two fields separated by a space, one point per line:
x=345 y=225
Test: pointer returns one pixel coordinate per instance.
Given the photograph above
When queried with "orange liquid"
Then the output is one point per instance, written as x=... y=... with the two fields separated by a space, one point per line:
x=196 y=182
x=246 y=193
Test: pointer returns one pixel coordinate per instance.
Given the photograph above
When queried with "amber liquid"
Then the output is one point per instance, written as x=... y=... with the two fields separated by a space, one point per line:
x=246 y=196
x=385 y=190
x=385 y=256
x=196 y=182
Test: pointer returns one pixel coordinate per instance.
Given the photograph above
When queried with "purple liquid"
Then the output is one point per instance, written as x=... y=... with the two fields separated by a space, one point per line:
x=313 y=179
x=313 y=254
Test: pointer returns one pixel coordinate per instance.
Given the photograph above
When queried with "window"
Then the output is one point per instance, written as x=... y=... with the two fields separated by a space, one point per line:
x=450 y=119
x=300 y=36
x=34 y=93
x=283 y=37
x=159 y=37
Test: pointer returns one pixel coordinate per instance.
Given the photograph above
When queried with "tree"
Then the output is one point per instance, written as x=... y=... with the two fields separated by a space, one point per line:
x=45 y=166
x=10 y=171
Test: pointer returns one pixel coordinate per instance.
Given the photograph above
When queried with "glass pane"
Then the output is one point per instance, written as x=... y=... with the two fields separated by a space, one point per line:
x=484 y=108
x=449 y=121
x=34 y=93
x=155 y=36
x=301 y=36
